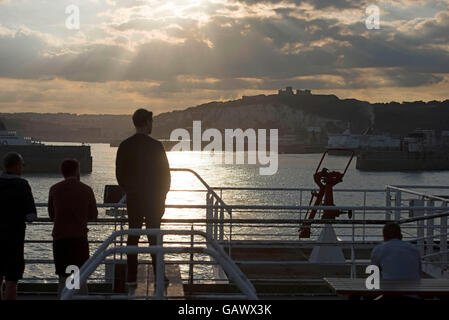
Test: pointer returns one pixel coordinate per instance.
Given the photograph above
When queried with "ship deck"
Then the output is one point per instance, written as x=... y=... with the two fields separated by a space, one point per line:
x=253 y=251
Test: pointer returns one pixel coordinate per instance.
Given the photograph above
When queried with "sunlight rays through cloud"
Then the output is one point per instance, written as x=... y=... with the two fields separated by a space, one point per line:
x=193 y=51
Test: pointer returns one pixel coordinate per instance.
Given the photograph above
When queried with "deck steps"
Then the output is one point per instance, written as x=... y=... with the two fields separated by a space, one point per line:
x=145 y=281
x=286 y=272
x=286 y=252
x=273 y=270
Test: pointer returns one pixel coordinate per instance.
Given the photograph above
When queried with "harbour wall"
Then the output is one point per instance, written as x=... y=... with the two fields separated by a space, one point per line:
x=402 y=161
x=48 y=159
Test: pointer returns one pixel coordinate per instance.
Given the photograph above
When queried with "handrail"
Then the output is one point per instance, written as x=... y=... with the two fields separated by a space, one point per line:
x=421 y=194
x=295 y=189
x=426 y=217
x=214 y=202
x=217 y=253
x=268 y=207
x=285 y=221
x=338 y=189
x=421 y=186
x=261 y=207
x=203 y=182
x=206 y=185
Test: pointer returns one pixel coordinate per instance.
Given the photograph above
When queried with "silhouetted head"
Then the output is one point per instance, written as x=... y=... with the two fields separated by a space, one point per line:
x=392 y=231
x=13 y=163
x=70 y=168
x=143 y=121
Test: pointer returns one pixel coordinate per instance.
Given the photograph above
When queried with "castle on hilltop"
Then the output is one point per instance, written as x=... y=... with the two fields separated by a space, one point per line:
x=289 y=92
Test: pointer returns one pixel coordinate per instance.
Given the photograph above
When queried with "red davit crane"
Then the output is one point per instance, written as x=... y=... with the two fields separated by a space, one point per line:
x=326 y=180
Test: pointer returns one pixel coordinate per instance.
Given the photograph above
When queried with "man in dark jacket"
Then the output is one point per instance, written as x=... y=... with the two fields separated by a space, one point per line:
x=18 y=207
x=143 y=172
x=71 y=204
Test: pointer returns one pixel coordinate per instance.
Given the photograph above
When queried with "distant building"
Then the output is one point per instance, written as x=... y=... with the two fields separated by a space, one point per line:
x=289 y=92
x=305 y=92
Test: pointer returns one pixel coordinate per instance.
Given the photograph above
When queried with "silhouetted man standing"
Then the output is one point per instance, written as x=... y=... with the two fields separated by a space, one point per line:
x=143 y=172
x=18 y=207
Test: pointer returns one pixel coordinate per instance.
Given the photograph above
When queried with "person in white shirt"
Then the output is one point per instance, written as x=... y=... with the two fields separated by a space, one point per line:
x=396 y=259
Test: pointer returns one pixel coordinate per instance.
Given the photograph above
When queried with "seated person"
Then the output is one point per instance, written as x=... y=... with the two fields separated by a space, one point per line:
x=396 y=259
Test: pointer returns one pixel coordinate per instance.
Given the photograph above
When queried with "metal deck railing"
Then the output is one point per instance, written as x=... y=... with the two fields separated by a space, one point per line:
x=215 y=251
x=421 y=211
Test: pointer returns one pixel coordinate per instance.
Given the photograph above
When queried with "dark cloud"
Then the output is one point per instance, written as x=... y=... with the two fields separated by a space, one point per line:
x=317 y=4
x=18 y=52
x=276 y=51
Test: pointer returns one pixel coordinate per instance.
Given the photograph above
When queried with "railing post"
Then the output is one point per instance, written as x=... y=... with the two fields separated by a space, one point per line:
x=419 y=225
x=429 y=229
x=121 y=240
x=398 y=204
x=443 y=237
x=192 y=239
x=221 y=224
x=215 y=222
x=388 y=204
x=353 y=269
x=364 y=215
x=230 y=233
x=160 y=271
x=209 y=214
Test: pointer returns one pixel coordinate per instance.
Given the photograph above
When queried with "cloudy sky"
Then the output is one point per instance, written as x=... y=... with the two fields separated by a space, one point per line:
x=171 y=54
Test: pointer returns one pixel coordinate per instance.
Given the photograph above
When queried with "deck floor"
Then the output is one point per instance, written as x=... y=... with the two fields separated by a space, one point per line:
x=145 y=281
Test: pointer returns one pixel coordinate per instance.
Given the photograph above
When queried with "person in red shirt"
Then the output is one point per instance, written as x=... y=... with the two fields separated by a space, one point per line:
x=71 y=204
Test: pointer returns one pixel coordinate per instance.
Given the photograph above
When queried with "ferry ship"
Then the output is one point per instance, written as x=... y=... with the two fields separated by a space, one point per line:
x=41 y=158
x=418 y=151
x=365 y=140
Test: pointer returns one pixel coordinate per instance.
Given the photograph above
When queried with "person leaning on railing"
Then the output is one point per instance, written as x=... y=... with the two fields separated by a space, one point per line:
x=18 y=208
x=71 y=204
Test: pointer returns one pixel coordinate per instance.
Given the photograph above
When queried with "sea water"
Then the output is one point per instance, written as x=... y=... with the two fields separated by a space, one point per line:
x=294 y=171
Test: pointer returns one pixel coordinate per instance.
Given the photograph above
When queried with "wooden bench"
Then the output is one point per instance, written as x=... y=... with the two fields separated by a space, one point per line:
x=356 y=288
